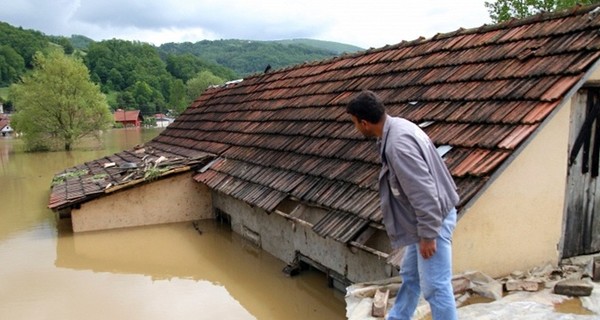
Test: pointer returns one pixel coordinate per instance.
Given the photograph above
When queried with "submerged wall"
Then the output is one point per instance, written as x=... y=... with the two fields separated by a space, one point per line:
x=284 y=238
x=173 y=199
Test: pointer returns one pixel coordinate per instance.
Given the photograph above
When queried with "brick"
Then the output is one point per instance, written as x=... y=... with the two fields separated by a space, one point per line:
x=460 y=285
x=570 y=287
x=522 y=285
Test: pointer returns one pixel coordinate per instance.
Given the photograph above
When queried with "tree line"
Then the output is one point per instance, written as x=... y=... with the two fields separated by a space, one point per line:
x=504 y=10
x=62 y=89
x=137 y=75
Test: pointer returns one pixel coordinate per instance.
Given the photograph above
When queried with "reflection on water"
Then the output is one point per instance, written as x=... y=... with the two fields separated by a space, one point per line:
x=154 y=272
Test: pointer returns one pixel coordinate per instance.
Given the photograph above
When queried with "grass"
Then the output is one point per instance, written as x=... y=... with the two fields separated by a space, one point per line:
x=59 y=179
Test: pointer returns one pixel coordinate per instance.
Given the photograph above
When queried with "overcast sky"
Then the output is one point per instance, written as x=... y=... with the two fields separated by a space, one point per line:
x=365 y=24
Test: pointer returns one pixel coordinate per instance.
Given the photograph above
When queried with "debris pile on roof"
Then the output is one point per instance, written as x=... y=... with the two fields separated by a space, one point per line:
x=121 y=170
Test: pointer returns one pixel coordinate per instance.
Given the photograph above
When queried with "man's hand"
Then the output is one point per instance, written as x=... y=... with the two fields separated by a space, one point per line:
x=427 y=247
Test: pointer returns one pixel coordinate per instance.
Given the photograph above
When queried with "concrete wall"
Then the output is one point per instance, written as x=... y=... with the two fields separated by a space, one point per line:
x=282 y=238
x=173 y=199
x=516 y=223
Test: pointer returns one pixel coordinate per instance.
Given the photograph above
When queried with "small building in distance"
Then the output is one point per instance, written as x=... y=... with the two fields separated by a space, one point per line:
x=162 y=121
x=5 y=127
x=128 y=118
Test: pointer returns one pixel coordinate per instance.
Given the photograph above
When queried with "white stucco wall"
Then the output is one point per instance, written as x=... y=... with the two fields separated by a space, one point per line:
x=282 y=238
x=173 y=199
x=516 y=223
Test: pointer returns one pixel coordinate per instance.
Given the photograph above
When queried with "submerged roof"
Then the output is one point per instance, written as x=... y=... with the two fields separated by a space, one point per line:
x=121 y=170
x=126 y=115
x=478 y=93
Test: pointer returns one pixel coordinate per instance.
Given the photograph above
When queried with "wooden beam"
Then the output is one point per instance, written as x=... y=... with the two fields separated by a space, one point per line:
x=378 y=226
x=591 y=84
x=297 y=220
x=378 y=253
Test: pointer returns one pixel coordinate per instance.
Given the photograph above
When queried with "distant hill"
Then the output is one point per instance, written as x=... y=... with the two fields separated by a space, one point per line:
x=244 y=57
x=80 y=42
x=336 y=47
x=247 y=56
x=138 y=75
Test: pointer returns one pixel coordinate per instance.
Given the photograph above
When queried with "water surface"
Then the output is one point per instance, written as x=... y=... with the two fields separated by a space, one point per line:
x=155 y=272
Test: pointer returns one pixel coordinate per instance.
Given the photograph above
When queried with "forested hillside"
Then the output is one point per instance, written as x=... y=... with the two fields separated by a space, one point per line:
x=246 y=57
x=17 y=47
x=336 y=47
x=137 y=75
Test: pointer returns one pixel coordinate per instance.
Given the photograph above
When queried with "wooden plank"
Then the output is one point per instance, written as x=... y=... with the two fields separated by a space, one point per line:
x=297 y=220
x=576 y=181
x=593 y=228
x=369 y=249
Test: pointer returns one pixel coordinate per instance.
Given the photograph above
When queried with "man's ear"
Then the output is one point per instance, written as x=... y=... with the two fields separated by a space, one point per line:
x=365 y=124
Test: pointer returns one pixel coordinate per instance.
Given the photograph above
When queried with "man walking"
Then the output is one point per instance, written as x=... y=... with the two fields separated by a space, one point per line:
x=418 y=199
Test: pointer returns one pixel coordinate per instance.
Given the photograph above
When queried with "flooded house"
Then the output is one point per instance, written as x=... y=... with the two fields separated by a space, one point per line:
x=128 y=118
x=512 y=108
x=5 y=128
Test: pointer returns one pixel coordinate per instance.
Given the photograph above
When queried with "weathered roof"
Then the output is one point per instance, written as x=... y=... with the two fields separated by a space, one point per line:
x=127 y=115
x=125 y=169
x=482 y=91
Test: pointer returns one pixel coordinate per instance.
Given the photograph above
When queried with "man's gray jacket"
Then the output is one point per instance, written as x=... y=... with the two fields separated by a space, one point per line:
x=416 y=188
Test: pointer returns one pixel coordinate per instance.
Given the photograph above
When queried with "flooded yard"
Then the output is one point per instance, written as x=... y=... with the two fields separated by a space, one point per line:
x=156 y=272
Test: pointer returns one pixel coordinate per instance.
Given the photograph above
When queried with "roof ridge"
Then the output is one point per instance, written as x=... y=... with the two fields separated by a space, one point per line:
x=514 y=22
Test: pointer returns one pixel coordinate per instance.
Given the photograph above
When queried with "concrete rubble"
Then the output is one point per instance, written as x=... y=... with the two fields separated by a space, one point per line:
x=538 y=293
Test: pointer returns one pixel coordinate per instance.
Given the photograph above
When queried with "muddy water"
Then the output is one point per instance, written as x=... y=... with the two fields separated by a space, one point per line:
x=156 y=272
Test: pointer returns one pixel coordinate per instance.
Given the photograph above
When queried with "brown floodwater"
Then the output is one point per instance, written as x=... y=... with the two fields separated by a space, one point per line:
x=155 y=272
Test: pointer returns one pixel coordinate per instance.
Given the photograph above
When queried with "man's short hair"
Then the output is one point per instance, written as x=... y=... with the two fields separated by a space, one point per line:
x=366 y=106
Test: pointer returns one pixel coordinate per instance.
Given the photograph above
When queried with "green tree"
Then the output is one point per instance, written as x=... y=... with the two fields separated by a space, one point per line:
x=504 y=10
x=12 y=65
x=24 y=42
x=126 y=101
x=57 y=104
x=186 y=66
x=177 y=97
x=115 y=77
x=64 y=42
x=121 y=64
x=197 y=85
x=143 y=93
x=147 y=99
